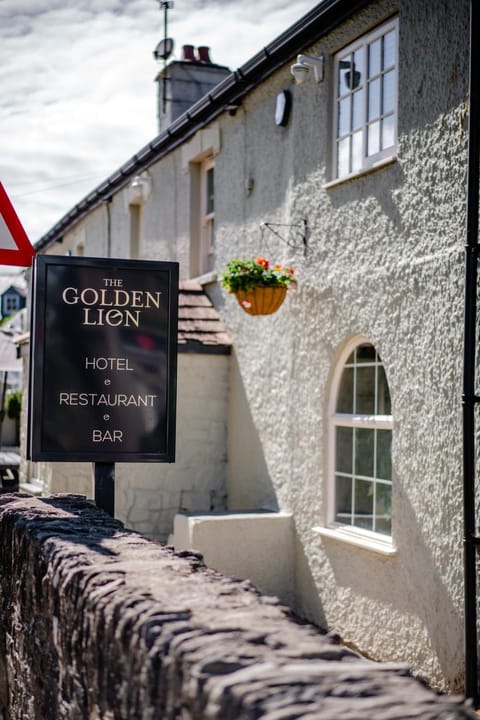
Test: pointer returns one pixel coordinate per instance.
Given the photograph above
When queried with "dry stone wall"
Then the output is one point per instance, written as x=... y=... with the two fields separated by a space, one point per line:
x=98 y=622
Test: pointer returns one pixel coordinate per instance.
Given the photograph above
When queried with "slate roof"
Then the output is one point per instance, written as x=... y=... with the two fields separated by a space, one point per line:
x=200 y=329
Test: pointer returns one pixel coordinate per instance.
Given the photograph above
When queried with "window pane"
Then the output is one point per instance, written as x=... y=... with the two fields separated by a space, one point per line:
x=365 y=353
x=389 y=49
x=359 y=63
x=345 y=394
x=373 y=138
x=383 y=509
x=388 y=132
x=344 y=68
x=384 y=527
x=384 y=454
x=357 y=116
x=344 y=115
x=363 y=504
x=357 y=151
x=365 y=391
x=364 y=451
x=374 y=99
x=388 y=92
x=344 y=450
x=343 y=157
x=383 y=394
x=343 y=500
x=209 y=205
x=211 y=234
x=374 y=57
x=353 y=79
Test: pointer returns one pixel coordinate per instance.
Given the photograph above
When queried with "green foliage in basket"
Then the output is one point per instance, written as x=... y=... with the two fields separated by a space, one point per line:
x=249 y=273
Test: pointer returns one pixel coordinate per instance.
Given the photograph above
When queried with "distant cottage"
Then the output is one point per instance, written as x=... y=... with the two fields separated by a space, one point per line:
x=12 y=300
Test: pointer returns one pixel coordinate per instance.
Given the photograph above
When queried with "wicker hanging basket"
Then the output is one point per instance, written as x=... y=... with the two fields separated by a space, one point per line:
x=261 y=300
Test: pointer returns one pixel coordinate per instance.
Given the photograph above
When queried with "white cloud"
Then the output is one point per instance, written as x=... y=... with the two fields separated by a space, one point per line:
x=78 y=94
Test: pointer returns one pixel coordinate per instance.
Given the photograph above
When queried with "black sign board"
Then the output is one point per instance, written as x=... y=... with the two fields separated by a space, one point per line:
x=103 y=360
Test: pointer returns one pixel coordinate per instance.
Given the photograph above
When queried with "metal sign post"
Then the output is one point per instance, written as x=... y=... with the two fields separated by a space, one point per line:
x=104 y=486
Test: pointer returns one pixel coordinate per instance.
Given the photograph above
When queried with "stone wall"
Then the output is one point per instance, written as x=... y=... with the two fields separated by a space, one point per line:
x=98 y=622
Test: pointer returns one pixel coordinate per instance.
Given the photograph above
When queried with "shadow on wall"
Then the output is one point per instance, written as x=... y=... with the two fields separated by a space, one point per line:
x=249 y=486
x=390 y=590
x=307 y=601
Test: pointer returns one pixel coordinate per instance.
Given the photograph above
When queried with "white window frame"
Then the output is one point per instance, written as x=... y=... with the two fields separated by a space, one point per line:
x=350 y=534
x=365 y=161
x=207 y=220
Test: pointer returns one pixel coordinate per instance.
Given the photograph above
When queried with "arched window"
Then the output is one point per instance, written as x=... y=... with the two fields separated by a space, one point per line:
x=362 y=432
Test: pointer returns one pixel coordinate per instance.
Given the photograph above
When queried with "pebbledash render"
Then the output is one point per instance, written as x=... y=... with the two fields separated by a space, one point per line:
x=339 y=415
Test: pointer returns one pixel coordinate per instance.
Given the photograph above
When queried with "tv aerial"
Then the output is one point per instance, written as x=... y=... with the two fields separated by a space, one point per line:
x=165 y=47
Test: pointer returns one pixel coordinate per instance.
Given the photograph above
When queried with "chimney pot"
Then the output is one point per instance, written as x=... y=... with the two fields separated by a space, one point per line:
x=204 y=54
x=188 y=52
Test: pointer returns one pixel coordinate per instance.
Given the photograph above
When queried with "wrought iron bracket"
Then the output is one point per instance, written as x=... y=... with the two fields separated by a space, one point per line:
x=294 y=235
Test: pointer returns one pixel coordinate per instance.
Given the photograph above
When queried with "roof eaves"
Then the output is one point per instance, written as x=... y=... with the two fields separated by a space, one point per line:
x=310 y=28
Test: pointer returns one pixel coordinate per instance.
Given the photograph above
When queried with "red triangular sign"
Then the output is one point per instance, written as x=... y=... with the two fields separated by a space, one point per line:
x=15 y=247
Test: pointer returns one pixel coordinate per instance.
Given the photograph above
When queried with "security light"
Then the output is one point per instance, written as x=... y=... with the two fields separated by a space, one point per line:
x=306 y=64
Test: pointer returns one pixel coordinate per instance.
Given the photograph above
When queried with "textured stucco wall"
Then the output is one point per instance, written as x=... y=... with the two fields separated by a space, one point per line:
x=385 y=261
x=148 y=495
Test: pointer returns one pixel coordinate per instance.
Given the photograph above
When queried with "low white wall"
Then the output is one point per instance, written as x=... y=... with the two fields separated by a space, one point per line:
x=254 y=546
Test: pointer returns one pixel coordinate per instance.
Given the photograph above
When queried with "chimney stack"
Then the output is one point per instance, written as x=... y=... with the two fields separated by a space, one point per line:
x=204 y=54
x=188 y=53
x=183 y=82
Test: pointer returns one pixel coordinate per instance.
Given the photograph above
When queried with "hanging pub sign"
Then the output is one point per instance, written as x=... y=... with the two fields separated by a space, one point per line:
x=103 y=360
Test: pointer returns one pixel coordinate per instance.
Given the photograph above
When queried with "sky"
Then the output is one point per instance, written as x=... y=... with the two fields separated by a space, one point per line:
x=77 y=90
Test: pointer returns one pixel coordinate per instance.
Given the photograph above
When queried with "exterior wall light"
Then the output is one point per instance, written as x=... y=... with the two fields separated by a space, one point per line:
x=139 y=189
x=306 y=63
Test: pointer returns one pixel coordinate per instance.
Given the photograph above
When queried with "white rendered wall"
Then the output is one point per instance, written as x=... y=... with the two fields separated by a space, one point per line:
x=254 y=546
x=385 y=261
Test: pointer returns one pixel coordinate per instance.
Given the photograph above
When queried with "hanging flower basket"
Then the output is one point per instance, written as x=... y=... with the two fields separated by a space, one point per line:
x=261 y=300
x=259 y=288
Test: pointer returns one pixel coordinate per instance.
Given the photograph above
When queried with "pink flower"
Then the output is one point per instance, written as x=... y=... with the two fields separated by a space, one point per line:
x=246 y=304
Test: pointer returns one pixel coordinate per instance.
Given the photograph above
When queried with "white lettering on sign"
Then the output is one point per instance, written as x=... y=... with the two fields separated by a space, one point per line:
x=107 y=297
x=111 y=305
x=113 y=318
x=107 y=436
x=109 y=363
x=106 y=399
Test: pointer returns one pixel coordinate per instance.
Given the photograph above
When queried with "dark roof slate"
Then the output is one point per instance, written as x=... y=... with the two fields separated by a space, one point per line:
x=200 y=329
